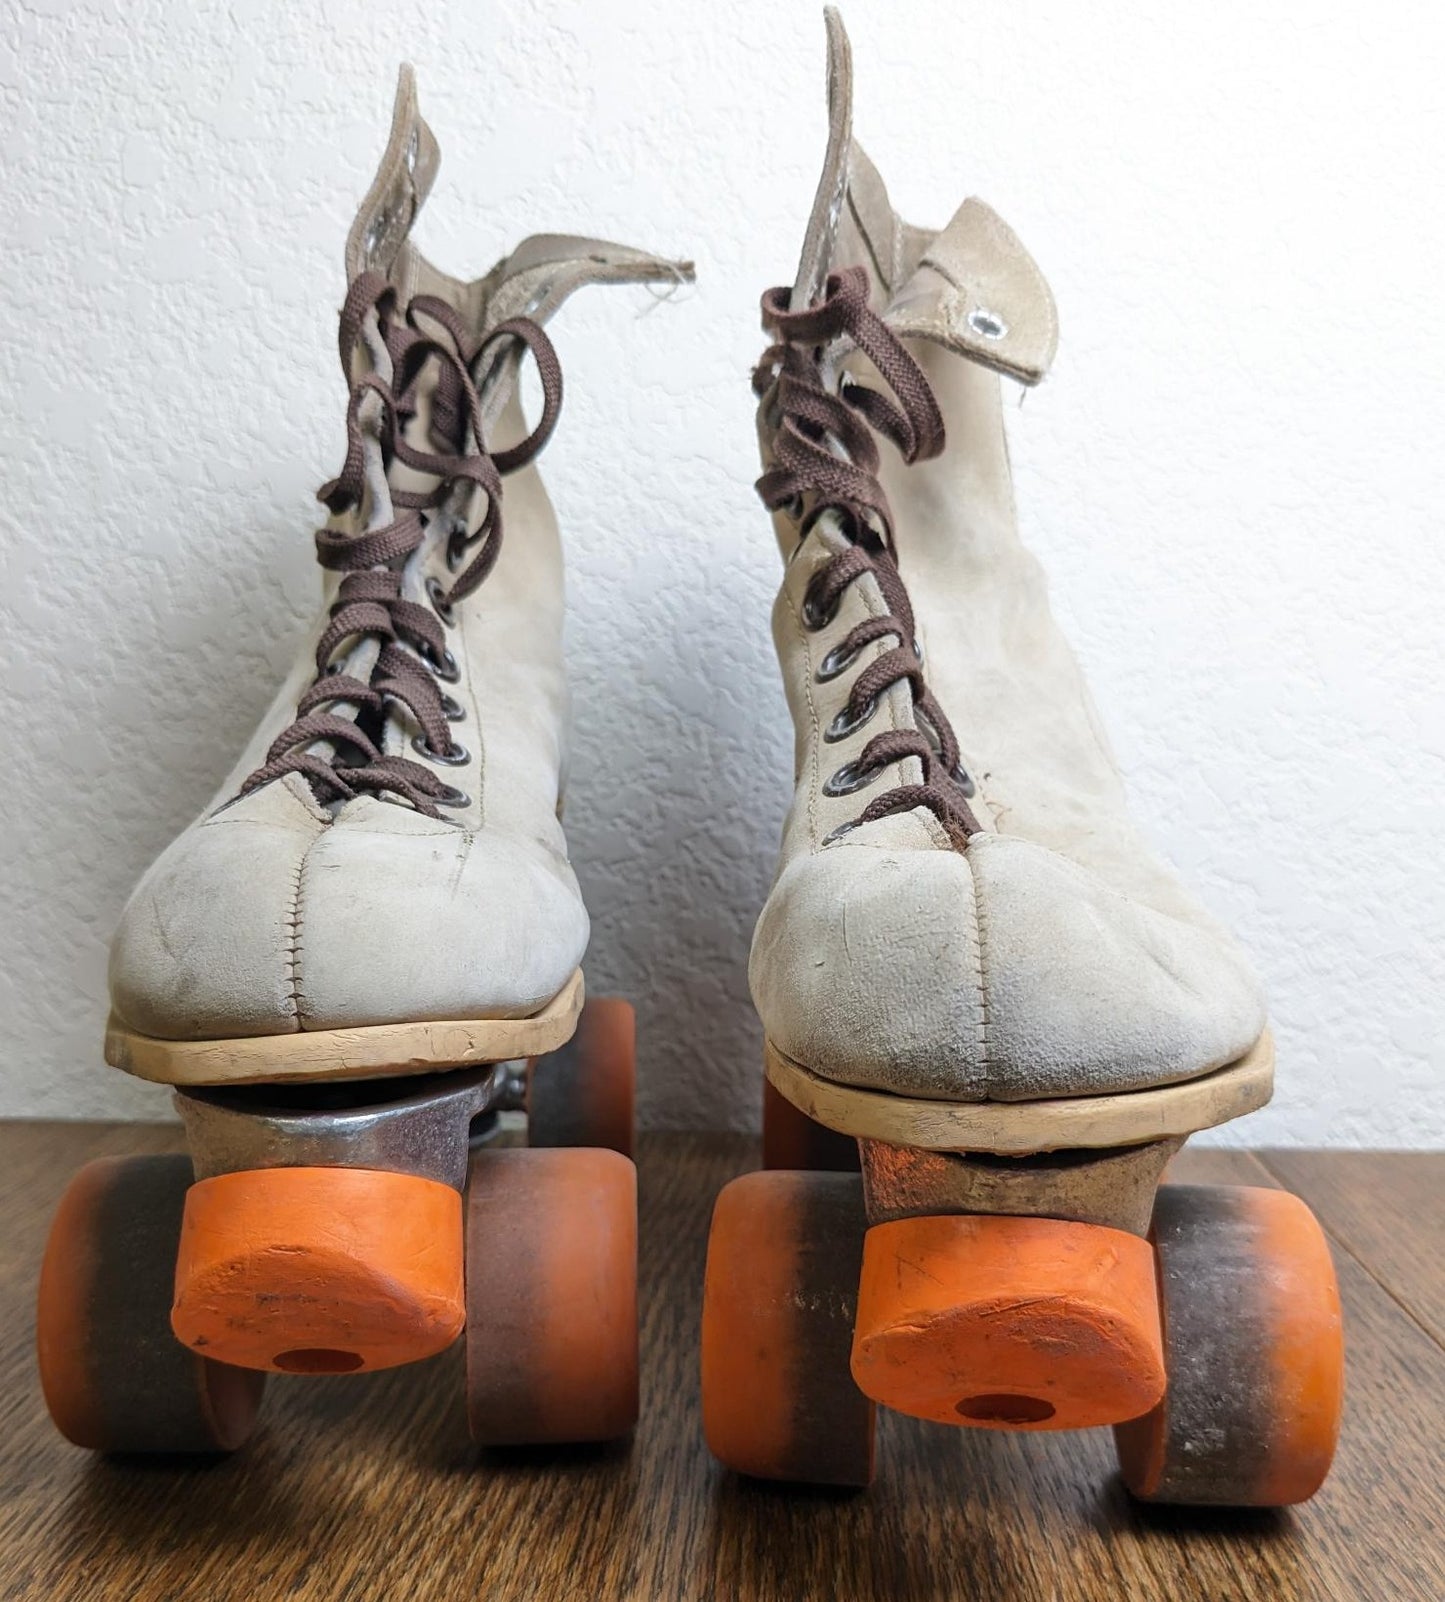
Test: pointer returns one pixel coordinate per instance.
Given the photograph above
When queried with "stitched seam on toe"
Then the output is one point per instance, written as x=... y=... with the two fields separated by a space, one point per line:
x=981 y=982
x=293 y=942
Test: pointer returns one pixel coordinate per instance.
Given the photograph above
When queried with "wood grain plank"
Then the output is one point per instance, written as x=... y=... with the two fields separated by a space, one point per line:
x=366 y=1486
x=1388 y=1209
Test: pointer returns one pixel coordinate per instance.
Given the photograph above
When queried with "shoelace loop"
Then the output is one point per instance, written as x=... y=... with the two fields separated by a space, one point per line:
x=825 y=458
x=413 y=661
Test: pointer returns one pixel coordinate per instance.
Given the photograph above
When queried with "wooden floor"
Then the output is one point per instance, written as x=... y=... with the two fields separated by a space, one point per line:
x=367 y=1487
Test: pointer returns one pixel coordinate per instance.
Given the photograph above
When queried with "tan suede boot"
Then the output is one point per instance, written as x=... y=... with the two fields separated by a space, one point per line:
x=388 y=850
x=377 y=909
x=969 y=958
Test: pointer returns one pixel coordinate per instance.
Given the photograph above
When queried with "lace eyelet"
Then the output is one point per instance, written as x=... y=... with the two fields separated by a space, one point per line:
x=845 y=723
x=437 y=595
x=816 y=616
x=850 y=777
x=456 y=756
x=456 y=549
x=964 y=780
x=452 y=797
x=453 y=711
x=837 y=661
x=839 y=832
x=444 y=667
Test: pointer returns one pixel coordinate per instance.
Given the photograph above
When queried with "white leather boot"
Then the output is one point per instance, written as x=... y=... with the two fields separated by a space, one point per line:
x=381 y=884
x=963 y=910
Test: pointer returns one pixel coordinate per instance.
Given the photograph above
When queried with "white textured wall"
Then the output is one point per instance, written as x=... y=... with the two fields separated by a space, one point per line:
x=1236 y=473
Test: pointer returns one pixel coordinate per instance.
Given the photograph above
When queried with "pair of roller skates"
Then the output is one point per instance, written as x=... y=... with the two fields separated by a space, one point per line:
x=991 y=1015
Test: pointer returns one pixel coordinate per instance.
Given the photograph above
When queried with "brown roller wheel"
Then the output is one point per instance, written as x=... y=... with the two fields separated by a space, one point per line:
x=783 y=1259
x=114 y=1376
x=551 y=1296
x=793 y=1140
x=582 y=1094
x=1254 y=1350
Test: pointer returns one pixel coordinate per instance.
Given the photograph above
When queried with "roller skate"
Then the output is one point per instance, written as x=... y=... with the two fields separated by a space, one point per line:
x=991 y=1015
x=368 y=949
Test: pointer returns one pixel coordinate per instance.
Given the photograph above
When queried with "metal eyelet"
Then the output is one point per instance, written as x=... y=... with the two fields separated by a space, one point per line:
x=987 y=324
x=816 y=617
x=456 y=548
x=837 y=661
x=455 y=756
x=452 y=797
x=850 y=777
x=444 y=667
x=436 y=593
x=845 y=724
x=839 y=832
x=453 y=711
x=964 y=780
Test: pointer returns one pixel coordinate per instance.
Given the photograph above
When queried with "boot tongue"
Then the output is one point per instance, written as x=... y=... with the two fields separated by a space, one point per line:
x=403 y=181
x=977 y=292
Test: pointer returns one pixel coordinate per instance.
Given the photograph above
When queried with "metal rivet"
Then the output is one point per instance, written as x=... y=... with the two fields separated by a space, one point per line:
x=987 y=324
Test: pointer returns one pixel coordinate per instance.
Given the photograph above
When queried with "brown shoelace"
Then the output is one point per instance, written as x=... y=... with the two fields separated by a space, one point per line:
x=414 y=660
x=808 y=477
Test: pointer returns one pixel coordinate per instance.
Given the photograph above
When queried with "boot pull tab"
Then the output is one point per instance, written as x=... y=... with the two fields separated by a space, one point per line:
x=403 y=180
x=978 y=293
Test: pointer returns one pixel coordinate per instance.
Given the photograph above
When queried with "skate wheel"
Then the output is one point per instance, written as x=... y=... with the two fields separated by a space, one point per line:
x=1255 y=1351
x=1008 y=1323
x=114 y=1377
x=551 y=1296
x=319 y=1270
x=582 y=1094
x=793 y=1140
x=778 y=1401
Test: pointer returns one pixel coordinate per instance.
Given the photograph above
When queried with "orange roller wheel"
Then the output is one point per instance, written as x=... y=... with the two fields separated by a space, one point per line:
x=1009 y=1323
x=778 y=1401
x=319 y=1270
x=583 y=1093
x=793 y=1140
x=1255 y=1350
x=115 y=1379
x=551 y=1296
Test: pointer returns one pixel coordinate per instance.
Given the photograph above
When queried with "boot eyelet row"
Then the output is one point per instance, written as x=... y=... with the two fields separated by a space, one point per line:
x=437 y=595
x=847 y=723
x=850 y=777
x=455 y=756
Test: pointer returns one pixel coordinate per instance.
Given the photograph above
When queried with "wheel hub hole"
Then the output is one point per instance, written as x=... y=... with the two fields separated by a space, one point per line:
x=1005 y=1408
x=318 y=1360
